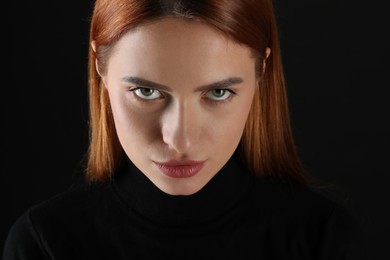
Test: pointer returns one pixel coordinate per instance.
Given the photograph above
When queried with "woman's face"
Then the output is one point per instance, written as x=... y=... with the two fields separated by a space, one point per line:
x=180 y=94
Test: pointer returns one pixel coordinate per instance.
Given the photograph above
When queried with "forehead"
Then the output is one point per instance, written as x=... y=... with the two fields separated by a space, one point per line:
x=173 y=45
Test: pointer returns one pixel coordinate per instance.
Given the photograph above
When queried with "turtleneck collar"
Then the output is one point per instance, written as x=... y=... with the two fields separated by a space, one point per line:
x=216 y=199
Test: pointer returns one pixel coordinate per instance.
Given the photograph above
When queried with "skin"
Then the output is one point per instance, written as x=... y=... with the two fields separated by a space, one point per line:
x=182 y=122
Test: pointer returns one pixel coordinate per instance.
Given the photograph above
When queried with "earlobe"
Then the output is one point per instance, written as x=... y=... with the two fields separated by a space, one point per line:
x=93 y=46
x=97 y=68
x=267 y=53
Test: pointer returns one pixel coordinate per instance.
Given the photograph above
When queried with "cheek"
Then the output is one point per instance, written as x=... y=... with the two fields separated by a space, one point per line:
x=227 y=129
x=132 y=124
x=232 y=127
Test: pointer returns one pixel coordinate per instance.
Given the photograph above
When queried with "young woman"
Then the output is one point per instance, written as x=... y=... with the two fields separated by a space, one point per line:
x=191 y=152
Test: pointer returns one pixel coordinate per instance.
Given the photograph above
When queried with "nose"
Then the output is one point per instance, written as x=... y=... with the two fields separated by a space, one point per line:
x=181 y=127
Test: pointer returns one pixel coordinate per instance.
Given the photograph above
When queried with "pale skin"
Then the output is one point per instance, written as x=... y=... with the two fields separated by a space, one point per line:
x=183 y=120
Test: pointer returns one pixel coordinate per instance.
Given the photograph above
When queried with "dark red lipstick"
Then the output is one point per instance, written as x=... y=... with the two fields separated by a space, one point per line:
x=180 y=169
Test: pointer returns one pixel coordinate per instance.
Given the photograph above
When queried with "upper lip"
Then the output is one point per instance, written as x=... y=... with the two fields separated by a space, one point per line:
x=176 y=163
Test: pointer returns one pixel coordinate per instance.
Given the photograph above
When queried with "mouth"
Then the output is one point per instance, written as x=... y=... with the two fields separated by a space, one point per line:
x=180 y=169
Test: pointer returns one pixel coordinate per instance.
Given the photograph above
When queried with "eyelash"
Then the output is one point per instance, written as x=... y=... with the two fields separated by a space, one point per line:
x=210 y=101
x=132 y=90
x=220 y=102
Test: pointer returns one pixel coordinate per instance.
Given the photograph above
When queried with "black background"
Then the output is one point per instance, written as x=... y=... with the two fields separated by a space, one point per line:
x=336 y=57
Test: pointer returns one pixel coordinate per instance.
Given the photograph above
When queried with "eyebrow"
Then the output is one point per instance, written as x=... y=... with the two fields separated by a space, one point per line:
x=222 y=84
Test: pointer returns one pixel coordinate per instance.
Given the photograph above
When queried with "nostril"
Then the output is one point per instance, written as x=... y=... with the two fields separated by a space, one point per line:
x=180 y=138
x=180 y=130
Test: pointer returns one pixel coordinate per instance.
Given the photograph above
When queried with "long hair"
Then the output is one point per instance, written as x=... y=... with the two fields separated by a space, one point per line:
x=267 y=145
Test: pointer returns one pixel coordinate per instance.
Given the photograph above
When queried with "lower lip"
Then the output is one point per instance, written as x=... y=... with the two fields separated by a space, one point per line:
x=180 y=171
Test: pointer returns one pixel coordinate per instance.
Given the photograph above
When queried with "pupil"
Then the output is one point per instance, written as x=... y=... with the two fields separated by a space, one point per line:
x=219 y=92
x=147 y=91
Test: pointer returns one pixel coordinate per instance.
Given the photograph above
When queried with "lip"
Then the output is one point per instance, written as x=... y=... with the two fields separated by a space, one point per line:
x=180 y=169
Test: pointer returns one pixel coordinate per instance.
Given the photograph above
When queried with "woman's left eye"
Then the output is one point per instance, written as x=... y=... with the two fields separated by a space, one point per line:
x=219 y=94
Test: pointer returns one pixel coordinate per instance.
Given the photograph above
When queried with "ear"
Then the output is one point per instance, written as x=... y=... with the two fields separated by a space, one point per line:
x=267 y=53
x=93 y=46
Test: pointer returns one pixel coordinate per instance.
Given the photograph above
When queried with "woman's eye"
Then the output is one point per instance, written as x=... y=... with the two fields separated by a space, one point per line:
x=218 y=94
x=147 y=93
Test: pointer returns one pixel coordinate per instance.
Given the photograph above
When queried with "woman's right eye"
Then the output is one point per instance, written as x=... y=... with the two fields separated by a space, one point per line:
x=147 y=93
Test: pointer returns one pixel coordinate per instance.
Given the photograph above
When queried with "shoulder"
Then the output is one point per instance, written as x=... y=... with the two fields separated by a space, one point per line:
x=311 y=218
x=309 y=205
x=287 y=195
x=23 y=242
x=82 y=201
x=78 y=198
x=67 y=211
x=303 y=204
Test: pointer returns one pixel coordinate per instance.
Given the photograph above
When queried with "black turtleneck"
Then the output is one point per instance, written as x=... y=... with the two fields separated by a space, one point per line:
x=222 y=195
x=234 y=216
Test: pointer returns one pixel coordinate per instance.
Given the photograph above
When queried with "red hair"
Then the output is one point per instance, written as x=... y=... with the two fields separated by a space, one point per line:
x=267 y=145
